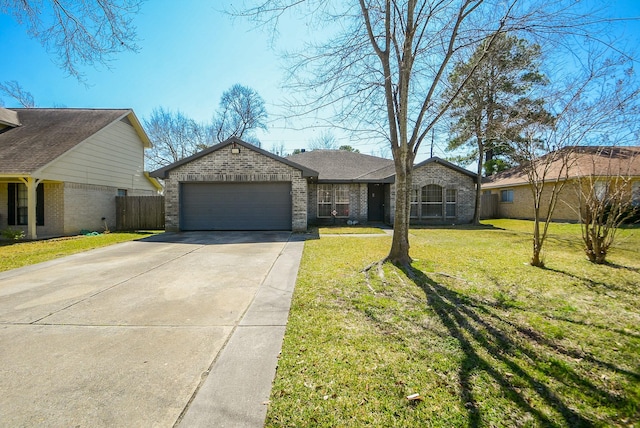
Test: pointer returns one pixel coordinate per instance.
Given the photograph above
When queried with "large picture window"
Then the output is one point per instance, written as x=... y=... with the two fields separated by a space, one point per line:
x=18 y=207
x=333 y=197
x=433 y=201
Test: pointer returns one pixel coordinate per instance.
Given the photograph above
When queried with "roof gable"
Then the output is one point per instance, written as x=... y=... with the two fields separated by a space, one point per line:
x=46 y=134
x=447 y=164
x=162 y=172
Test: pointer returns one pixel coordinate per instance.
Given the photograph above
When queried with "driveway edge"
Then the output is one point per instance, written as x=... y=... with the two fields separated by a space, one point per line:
x=237 y=389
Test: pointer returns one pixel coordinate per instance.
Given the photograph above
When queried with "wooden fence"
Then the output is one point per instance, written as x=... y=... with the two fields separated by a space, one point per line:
x=140 y=212
x=489 y=206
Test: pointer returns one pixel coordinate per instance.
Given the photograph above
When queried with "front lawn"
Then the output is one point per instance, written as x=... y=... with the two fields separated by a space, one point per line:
x=481 y=336
x=17 y=254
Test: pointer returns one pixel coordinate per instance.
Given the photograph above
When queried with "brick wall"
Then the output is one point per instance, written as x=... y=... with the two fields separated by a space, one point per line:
x=566 y=210
x=224 y=166
x=448 y=178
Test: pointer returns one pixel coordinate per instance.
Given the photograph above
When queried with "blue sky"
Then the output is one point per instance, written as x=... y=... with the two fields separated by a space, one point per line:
x=189 y=55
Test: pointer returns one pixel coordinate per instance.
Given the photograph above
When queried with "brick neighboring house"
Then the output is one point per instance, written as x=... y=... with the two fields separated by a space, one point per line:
x=237 y=186
x=588 y=166
x=61 y=169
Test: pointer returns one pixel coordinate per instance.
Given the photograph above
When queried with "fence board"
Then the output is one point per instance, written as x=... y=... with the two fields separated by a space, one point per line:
x=139 y=212
x=489 y=206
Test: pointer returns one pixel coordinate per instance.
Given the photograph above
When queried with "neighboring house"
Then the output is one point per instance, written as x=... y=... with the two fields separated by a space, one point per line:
x=61 y=169
x=588 y=167
x=237 y=186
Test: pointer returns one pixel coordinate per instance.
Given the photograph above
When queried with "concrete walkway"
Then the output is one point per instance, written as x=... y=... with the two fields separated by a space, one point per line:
x=182 y=328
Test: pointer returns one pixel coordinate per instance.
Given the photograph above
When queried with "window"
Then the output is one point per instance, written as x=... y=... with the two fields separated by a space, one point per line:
x=600 y=189
x=122 y=192
x=451 y=202
x=506 y=195
x=342 y=200
x=333 y=197
x=432 y=201
x=18 y=207
x=414 y=203
x=325 y=200
x=635 y=196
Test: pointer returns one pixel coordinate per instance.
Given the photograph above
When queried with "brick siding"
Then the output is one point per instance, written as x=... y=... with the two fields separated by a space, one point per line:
x=224 y=166
x=447 y=178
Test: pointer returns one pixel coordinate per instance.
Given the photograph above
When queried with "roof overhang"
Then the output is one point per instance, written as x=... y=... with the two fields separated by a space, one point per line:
x=9 y=117
x=146 y=142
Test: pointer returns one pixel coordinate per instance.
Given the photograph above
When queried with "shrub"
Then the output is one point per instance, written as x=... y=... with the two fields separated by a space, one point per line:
x=12 y=234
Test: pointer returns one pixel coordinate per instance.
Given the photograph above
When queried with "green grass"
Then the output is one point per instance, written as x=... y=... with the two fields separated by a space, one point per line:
x=17 y=254
x=349 y=230
x=484 y=338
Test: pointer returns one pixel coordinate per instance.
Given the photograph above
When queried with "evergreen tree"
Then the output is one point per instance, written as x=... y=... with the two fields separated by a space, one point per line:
x=492 y=86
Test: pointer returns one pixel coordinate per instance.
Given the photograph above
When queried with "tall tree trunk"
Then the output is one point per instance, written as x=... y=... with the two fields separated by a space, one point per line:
x=476 y=209
x=536 y=259
x=399 y=253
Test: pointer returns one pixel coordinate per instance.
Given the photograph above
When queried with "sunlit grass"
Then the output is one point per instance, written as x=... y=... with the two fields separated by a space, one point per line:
x=349 y=230
x=17 y=254
x=484 y=338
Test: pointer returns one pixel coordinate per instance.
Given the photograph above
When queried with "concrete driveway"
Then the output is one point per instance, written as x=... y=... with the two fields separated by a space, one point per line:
x=177 y=328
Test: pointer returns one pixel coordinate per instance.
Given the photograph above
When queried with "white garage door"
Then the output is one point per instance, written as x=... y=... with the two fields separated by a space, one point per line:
x=235 y=206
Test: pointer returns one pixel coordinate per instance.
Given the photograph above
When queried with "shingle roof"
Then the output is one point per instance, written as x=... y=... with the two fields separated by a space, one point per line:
x=583 y=161
x=46 y=134
x=341 y=165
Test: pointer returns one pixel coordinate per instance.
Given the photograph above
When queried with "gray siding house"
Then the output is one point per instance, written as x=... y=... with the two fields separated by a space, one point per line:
x=237 y=186
x=61 y=169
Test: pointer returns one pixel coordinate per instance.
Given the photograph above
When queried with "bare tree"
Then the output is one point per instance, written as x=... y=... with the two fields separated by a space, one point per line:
x=78 y=33
x=14 y=90
x=174 y=136
x=326 y=140
x=278 y=149
x=384 y=64
x=599 y=104
x=241 y=113
x=606 y=198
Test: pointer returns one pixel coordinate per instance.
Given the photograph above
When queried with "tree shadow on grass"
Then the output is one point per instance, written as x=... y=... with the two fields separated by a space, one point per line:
x=517 y=358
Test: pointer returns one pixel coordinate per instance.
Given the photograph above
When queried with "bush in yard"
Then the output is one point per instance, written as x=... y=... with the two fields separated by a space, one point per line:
x=12 y=234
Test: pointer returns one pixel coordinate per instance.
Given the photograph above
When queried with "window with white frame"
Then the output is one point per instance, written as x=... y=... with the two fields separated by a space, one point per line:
x=342 y=199
x=18 y=203
x=451 y=201
x=635 y=195
x=333 y=197
x=414 y=203
x=600 y=189
x=325 y=200
x=506 y=195
x=432 y=201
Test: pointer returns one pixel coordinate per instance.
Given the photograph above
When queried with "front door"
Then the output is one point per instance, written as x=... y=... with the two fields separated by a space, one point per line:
x=375 y=202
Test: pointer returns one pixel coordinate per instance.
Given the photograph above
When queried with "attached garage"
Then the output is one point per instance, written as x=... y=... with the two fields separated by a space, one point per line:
x=235 y=206
x=235 y=186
